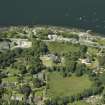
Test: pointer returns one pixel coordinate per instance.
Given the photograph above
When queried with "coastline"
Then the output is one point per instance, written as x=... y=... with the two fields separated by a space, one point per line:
x=62 y=28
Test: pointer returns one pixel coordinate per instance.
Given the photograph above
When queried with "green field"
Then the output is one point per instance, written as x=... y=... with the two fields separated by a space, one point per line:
x=59 y=86
x=61 y=48
x=101 y=41
x=12 y=70
x=92 y=51
x=79 y=103
x=49 y=63
x=10 y=79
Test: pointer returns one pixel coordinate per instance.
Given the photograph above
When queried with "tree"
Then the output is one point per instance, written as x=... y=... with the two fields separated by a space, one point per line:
x=71 y=66
x=71 y=56
x=2 y=91
x=35 y=68
x=83 y=50
x=80 y=69
x=43 y=48
x=37 y=82
x=0 y=80
x=101 y=60
x=26 y=90
x=103 y=98
x=18 y=51
x=36 y=46
x=22 y=69
x=20 y=79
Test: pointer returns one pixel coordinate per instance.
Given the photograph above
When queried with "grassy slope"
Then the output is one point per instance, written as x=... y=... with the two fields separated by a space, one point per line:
x=11 y=79
x=79 y=103
x=60 y=86
x=58 y=47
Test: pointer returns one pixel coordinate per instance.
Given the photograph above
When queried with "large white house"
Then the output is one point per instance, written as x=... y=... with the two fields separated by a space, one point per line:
x=22 y=43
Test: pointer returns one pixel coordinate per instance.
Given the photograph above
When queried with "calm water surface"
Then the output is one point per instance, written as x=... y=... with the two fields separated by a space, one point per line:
x=86 y=14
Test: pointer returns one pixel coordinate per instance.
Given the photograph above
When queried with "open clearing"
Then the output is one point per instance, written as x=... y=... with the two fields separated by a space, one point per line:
x=79 y=103
x=61 y=48
x=59 y=86
x=46 y=61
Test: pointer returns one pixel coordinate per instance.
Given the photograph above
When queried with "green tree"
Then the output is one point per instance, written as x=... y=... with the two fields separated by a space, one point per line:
x=80 y=69
x=37 y=83
x=101 y=60
x=83 y=50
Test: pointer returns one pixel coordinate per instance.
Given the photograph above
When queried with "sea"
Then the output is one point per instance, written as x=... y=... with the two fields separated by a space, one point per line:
x=82 y=14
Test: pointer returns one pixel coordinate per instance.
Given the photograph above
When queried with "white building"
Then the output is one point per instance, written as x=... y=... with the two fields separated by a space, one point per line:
x=22 y=43
x=52 y=37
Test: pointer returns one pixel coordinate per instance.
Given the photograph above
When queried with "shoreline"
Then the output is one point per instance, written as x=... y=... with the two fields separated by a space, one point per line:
x=60 y=28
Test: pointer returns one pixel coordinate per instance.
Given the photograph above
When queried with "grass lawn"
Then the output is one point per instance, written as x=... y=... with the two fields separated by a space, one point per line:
x=12 y=70
x=92 y=51
x=101 y=41
x=59 y=86
x=60 y=48
x=39 y=93
x=49 y=63
x=79 y=103
x=46 y=61
x=10 y=79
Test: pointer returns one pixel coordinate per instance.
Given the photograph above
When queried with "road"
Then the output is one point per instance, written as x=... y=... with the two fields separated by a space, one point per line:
x=81 y=43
